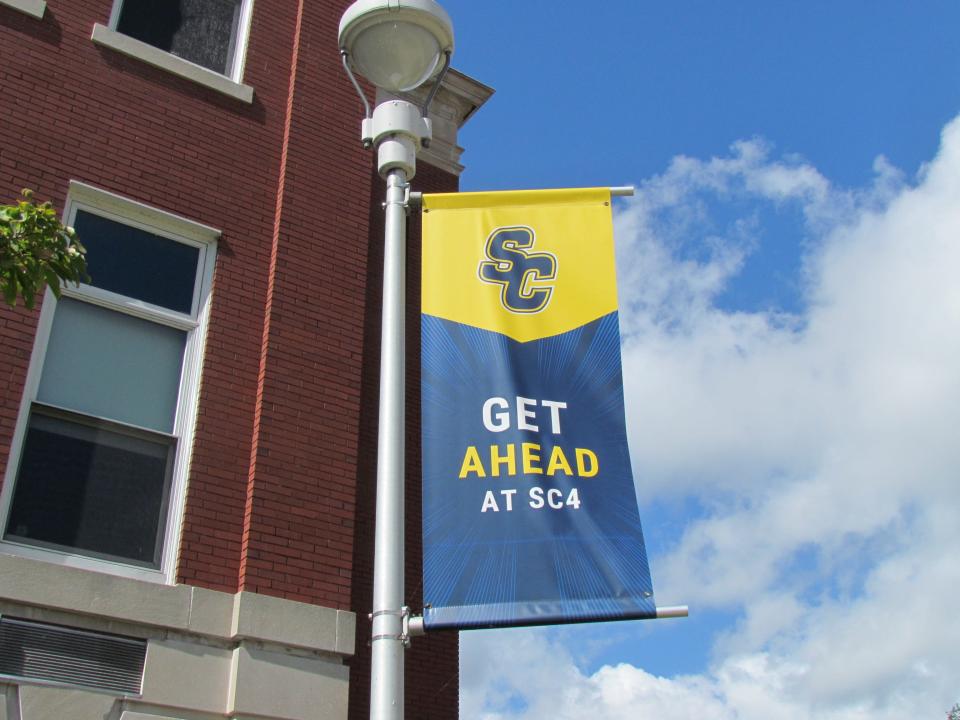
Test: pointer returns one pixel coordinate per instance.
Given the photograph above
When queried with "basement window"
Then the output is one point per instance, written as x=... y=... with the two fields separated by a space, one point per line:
x=70 y=657
x=205 y=32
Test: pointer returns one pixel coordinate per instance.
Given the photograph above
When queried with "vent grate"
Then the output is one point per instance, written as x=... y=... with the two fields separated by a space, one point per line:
x=52 y=653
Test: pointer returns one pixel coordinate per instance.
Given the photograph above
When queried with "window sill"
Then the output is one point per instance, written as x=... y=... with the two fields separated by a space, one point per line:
x=102 y=35
x=82 y=562
x=30 y=7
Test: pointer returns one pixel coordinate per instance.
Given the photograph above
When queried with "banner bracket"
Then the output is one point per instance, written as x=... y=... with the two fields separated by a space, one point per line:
x=405 y=635
x=415 y=199
x=378 y=613
x=405 y=639
x=673 y=611
x=415 y=626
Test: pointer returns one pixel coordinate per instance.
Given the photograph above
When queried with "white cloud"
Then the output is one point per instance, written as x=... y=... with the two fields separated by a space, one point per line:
x=823 y=445
x=756 y=686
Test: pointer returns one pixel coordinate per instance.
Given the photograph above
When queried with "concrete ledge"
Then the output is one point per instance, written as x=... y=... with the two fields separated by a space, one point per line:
x=172 y=671
x=261 y=617
x=222 y=617
x=210 y=654
x=53 y=702
x=211 y=613
x=42 y=584
x=102 y=35
x=9 y=702
x=312 y=688
x=186 y=681
x=30 y=7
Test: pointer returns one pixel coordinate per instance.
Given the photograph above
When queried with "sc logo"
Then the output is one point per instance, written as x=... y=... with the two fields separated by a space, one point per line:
x=515 y=269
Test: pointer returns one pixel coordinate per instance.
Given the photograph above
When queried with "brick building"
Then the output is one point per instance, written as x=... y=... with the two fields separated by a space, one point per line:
x=187 y=444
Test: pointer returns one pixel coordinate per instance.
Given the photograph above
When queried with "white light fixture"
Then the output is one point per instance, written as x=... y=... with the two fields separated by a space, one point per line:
x=396 y=44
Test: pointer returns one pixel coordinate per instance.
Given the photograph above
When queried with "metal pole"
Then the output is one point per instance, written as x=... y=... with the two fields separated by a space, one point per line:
x=387 y=641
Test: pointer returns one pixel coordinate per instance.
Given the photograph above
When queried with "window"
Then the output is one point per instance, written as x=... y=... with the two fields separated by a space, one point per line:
x=201 y=40
x=105 y=428
x=204 y=32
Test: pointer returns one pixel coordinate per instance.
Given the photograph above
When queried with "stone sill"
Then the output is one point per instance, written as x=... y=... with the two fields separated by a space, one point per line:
x=35 y=8
x=102 y=35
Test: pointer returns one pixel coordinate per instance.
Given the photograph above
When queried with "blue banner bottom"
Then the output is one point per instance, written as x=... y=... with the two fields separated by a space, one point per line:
x=529 y=509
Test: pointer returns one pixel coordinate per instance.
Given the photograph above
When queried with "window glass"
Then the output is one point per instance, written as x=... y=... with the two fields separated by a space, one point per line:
x=139 y=264
x=201 y=31
x=112 y=365
x=90 y=488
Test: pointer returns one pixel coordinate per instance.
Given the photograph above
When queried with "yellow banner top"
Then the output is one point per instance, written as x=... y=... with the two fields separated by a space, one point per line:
x=528 y=264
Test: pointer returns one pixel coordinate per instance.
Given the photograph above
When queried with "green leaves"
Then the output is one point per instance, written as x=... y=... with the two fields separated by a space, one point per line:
x=37 y=249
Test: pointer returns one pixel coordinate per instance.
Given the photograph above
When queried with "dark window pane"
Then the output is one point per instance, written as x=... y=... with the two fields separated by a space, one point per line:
x=86 y=488
x=201 y=31
x=153 y=21
x=136 y=263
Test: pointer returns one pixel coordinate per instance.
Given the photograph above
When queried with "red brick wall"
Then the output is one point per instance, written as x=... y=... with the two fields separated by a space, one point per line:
x=300 y=504
x=280 y=490
x=100 y=117
x=17 y=328
x=91 y=114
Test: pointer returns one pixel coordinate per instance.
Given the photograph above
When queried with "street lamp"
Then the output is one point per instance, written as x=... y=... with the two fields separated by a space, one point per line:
x=398 y=45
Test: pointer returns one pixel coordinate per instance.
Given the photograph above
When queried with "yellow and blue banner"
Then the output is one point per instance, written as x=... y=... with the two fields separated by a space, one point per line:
x=529 y=509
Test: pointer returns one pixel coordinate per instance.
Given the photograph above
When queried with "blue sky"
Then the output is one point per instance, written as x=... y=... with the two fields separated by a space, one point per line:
x=790 y=320
x=611 y=96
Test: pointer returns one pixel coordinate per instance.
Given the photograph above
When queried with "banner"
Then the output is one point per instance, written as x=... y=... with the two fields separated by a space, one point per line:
x=529 y=509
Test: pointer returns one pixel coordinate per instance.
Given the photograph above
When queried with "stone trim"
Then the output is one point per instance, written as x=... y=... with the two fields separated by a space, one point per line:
x=210 y=655
x=100 y=601
x=459 y=98
x=36 y=8
x=102 y=35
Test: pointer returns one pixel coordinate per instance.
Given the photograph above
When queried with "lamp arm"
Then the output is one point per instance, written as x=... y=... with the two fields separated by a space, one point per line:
x=425 y=110
x=363 y=98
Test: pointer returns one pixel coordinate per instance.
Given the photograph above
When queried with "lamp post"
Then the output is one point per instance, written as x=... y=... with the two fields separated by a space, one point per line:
x=398 y=45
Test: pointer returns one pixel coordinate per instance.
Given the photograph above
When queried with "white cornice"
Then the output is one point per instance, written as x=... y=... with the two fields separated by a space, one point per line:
x=459 y=98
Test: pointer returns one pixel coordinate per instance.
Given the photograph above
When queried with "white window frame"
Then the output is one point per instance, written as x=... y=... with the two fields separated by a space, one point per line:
x=229 y=82
x=178 y=229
